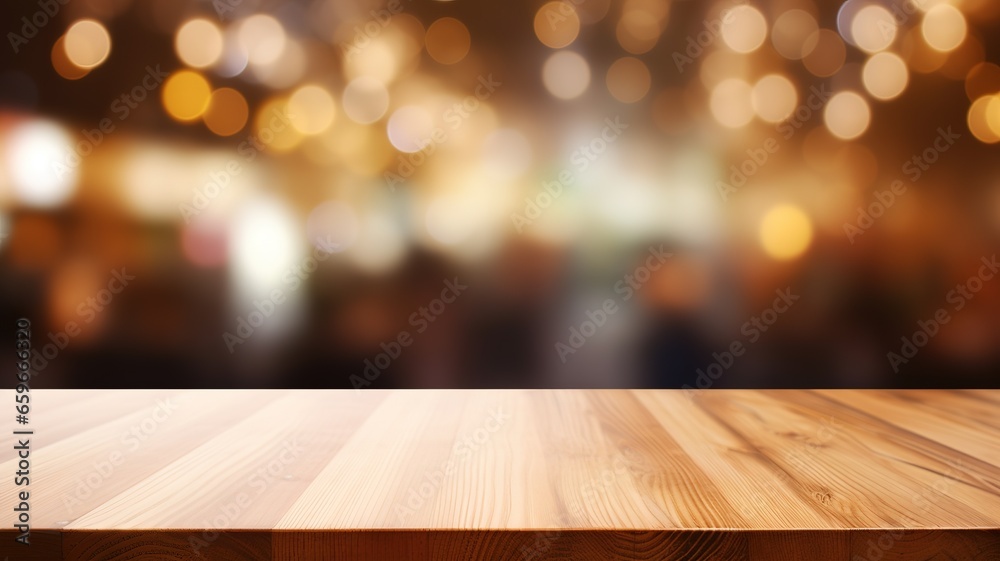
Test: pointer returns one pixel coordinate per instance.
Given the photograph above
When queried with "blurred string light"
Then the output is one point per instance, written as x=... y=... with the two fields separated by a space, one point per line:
x=731 y=103
x=87 y=43
x=37 y=164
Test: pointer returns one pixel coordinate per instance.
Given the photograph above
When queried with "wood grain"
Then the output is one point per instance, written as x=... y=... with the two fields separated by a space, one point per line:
x=455 y=475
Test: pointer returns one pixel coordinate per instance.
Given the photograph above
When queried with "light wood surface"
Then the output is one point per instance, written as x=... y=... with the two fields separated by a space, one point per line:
x=455 y=475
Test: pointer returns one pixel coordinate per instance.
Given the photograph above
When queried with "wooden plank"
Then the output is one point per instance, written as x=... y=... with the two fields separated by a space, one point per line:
x=463 y=475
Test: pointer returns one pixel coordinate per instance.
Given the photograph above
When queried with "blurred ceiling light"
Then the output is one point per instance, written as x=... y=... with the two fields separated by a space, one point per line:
x=557 y=24
x=847 y=115
x=365 y=100
x=186 y=95
x=785 y=232
x=410 y=128
x=979 y=120
x=774 y=98
x=944 y=27
x=628 y=79
x=333 y=225
x=744 y=28
x=825 y=53
x=447 y=40
x=311 y=109
x=87 y=43
x=37 y=161
x=61 y=63
x=790 y=31
x=885 y=75
x=199 y=43
x=263 y=37
x=731 y=103
x=566 y=74
x=227 y=112
x=873 y=28
x=265 y=243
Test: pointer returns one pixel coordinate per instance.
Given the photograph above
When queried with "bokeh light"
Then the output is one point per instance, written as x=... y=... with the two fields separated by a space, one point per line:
x=556 y=24
x=311 y=109
x=186 y=95
x=43 y=163
x=731 y=103
x=873 y=28
x=785 y=232
x=87 y=43
x=227 y=112
x=365 y=100
x=566 y=74
x=847 y=115
x=628 y=79
x=199 y=43
x=744 y=28
x=944 y=27
x=885 y=75
x=448 y=40
x=774 y=98
x=410 y=128
x=263 y=38
x=825 y=53
x=790 y=32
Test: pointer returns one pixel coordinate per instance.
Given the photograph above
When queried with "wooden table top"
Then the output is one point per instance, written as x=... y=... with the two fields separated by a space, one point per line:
x=460 y=475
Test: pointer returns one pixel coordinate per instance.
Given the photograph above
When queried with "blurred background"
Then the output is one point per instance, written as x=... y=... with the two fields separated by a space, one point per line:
x=582 y=193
